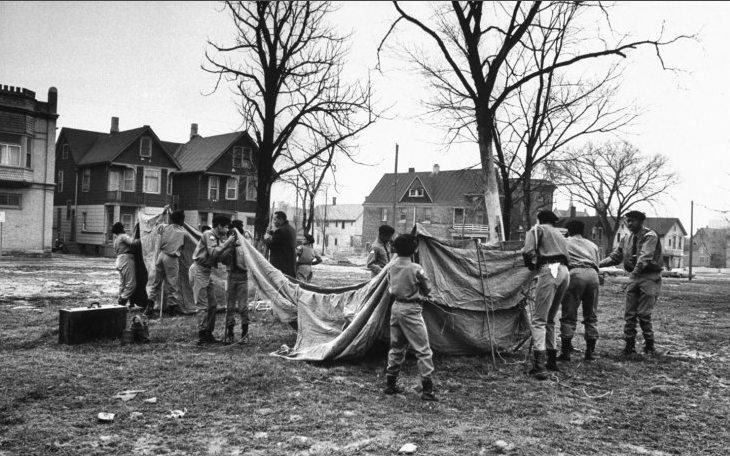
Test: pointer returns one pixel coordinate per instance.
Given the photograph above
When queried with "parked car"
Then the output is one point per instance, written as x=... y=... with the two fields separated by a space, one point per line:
x=677 y=273
x=612 y=271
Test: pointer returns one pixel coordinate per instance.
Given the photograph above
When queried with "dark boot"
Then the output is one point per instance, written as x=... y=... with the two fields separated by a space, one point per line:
x=630 y=347
x=206 y=337
x=590 y=349
x=649 y=347
x=566 y=346
x=149 y=311
x=427 y=391
x=391 y=382
x=122 y=301
x=244 y=334
x=552 y=358
x=538 y=368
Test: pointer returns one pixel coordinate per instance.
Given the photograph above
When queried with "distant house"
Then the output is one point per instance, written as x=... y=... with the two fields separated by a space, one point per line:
x=450 y=204
x=102 y=178
x=217 y=176
x=27 y=139
x=593 y=230
x=338 y=226
x=713 y=245
x=671 y=234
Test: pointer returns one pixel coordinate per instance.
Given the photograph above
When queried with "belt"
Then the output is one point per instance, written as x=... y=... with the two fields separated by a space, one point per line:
x=570 y=268
x=304 y=264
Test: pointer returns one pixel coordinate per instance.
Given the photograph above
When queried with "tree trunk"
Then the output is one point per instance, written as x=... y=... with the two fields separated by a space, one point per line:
x=491 y=192
x=263 y=200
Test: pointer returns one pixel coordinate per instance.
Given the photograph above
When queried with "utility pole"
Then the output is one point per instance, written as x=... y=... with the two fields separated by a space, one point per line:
x=324 y=222
x=296 y=207
x=395 y=185
x=691 y=234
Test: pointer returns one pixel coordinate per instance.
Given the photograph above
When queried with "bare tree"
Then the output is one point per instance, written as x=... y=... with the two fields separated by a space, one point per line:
x=612 y=179
x=286 y=64
x=478 y=69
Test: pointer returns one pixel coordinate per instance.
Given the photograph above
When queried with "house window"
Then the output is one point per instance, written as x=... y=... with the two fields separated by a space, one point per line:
x=213 y=186
x=458 y=216
x=127 y=222
x=59 y=182
x=10 y=155
x=402 y=215
x=145 y=147
x=64 y=151
x=28 y=152
x=83 y=221
x=247 y=157
x=232 y=188
x=86 y=180
x=479 y=218
x=114 y=181
x=335 y=241
x=151 y=180
x=384 y=214
x=343 y=225
x=600 y=233
x=10 y=200
x=169 y=183
x=250 y=189
x=427 y=215
x=238 y=157
x=416 y=192
x=128 y=184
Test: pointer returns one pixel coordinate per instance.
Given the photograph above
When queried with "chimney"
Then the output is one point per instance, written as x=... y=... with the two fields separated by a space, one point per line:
x=334 y=201
x=52 y=100
x=436 y=169
x=115 y=125
x=411 y=170
x=572 y=211
x=193 y=130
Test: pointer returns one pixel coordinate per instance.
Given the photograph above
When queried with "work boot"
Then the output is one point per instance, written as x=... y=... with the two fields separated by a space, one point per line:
x=590 y=349
x=244 y=334
x=206 y=337
x=538 y=368
x=149 y=311
x=427 y=390
x=392 y=387
x=630 y=347
x=649 y=347
x=552 y=364
x=566 y=346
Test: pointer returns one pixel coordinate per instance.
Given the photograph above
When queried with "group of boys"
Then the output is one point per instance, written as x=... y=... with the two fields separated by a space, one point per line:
x=567 y=277
x=217 y=244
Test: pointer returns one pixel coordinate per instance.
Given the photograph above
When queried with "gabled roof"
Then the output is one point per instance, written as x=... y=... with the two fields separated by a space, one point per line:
x=346 y=212
x=79 y=141
x=92 y=147
x=444 y=187
x=662 y=225
x=198 y=154
x=171 y=147
x=413 y=181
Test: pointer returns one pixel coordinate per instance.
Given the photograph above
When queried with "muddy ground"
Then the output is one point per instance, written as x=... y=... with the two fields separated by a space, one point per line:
x=241 y=400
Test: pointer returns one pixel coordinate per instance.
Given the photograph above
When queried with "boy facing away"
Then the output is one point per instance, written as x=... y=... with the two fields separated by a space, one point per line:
x=409 y=285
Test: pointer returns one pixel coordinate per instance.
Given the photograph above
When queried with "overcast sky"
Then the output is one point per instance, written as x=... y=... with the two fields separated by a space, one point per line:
x=140 y=61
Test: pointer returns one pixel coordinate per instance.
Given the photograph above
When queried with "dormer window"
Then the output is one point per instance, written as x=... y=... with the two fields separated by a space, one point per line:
x=415 y=192
x=64 y=151
x=241 y=157
x=145 y=147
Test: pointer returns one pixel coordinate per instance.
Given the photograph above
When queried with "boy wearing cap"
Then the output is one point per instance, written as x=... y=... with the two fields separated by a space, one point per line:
x=641 y=254
x=409 y=286
x=379 y=254
x=306 y=258
x=546 y=252
x=582 y=291
x=236 y=286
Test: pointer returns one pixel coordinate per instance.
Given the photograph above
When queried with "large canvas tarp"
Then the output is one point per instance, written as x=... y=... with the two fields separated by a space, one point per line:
x=476 y=303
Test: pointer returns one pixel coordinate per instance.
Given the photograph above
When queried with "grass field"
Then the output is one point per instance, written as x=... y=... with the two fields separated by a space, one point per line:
x=243 y=401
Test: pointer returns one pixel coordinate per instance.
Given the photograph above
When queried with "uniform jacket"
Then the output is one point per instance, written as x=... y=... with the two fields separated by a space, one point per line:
x=378 y=256
x=648 y=256
x=282 y=249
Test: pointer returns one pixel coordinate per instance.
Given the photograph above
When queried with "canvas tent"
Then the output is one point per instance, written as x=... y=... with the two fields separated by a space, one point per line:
x=477 y=300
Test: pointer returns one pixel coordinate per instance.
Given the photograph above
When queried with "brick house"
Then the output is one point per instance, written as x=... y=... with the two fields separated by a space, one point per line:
x=339 y=228
x=450 y=204
x=712 y=247
x=671 y=234
x=27 y=139
x=102 y=178
x=218 y=176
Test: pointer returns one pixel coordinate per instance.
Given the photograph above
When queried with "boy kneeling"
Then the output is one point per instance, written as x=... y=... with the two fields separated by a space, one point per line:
x=409 y=286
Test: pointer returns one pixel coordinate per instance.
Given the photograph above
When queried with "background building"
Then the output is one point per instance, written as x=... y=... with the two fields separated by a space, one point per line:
x=27 y=141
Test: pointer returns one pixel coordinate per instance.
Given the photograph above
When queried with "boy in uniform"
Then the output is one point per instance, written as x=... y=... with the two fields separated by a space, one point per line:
x=306 y=258
x=409 y=286
x=237 y=287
